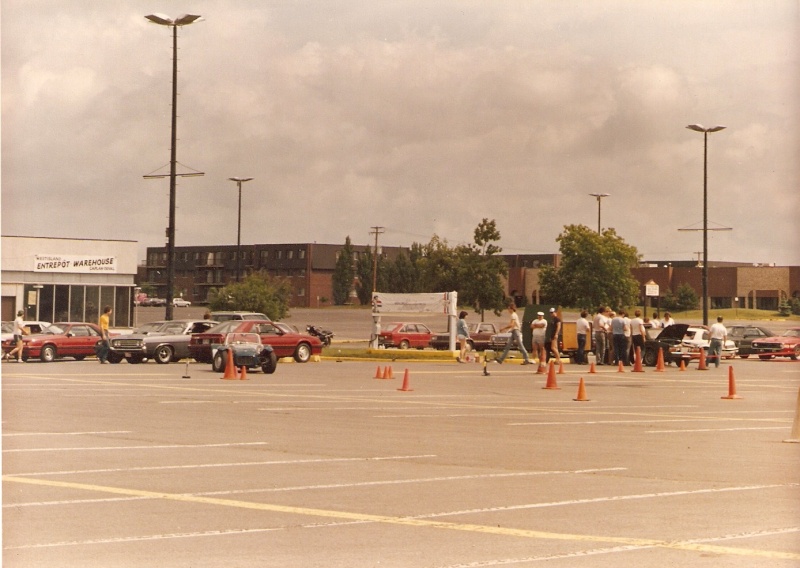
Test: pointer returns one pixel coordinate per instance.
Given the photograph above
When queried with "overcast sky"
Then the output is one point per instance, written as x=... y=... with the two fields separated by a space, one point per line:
x=422 y=117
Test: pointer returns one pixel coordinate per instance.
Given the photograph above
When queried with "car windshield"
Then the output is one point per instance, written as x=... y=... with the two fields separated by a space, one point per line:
x=148 y=327
x=8 y=327
x=242 y=338
x=792 y=333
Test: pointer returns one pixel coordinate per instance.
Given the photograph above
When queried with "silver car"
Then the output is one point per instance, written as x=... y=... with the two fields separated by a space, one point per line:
x=164 y=341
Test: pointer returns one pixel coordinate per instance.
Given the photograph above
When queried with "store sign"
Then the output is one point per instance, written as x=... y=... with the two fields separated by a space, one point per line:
x=441 y=303
x=74 y=263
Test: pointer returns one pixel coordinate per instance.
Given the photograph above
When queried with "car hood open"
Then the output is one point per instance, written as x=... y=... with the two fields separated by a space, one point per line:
x=674 y=331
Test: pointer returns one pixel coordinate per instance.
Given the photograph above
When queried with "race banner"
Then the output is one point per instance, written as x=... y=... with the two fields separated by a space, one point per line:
x=74 y=263
x=436 y=303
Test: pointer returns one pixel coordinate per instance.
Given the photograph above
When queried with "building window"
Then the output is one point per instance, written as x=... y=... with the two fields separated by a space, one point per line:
x=301 y=254
x=301 y=291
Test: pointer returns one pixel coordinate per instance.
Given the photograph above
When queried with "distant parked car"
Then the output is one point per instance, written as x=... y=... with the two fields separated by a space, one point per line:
x=181 y=303
x=33 y=327
x=480 y=333
x=786 y=345
x=62 y=339
x=744 y=335
x=153 y=302
x=225 y=316
x=164 y=341
x=698 y=336
x=247 y=351
x=405 y=335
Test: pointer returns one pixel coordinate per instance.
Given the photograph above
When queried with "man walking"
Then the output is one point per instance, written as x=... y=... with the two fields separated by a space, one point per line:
x=103 y=323
x=718 y=335
x=515 y=337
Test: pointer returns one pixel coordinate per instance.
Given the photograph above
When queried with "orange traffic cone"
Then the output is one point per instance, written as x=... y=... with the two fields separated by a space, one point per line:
x=592 y=369
x=560 y=366
x=243 y=375
x=391 y=373
x=620 y=367
x=541 y=369
x=660 y=360
x=637 y=361
x=230 y=370
x=581 y=392
x=683 y=365
x=701 y=366
x=405 y=383
x=551 y=378
x=385 y=372
x=731 y=386
x=378 y=372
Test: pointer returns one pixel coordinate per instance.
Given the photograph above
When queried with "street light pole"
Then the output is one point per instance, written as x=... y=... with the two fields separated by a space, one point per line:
x=163 y=20
x=599 y=196
x=705 y=131
x=239 y=181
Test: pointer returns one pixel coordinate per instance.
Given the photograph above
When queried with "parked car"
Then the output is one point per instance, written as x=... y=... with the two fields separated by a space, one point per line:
x=225 y=316
x=33 y=327
x=744 y=335
x=786 y=345
x=405 y=335
x=480 y=333
x=153 y=302
x=670 y=340
x=62 y=339
x=247 y=351
x=296 y=345
x=164 y=341
x=698 y=336
x=181 y=303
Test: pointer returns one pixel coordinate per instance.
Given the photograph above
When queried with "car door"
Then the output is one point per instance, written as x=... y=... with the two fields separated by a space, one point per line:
x=271 y=335
x=81 y=341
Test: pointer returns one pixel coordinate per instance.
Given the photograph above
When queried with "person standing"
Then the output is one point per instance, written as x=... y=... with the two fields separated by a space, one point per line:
x=619 y=340
x=538 y=338
x=582 y=329
x=668 y=321
x=18 y=331
x=462 y=334
x=718 y=335
x=515 y=337
x=555 y=322
x=654 y=323
x=600 y=327
x=104 y=323
x=628 y=340
x=638 y=332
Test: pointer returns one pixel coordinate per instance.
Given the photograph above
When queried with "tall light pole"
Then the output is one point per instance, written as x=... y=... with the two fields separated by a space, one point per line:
x=705 y=131
x=239 y=181
x=599 y=196
x=163 y=20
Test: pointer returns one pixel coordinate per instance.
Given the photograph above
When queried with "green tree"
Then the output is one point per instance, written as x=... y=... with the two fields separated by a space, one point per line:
x=364 y=269
x=481 y=272
x=684 y=299
x=343 y=274
x=258 y=292
x=595 y=270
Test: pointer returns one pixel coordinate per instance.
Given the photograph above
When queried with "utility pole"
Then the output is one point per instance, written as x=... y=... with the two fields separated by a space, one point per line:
x=375 y=231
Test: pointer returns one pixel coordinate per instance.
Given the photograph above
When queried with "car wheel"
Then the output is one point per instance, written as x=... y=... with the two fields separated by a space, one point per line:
x=135 y=359
x=115 y=358
x=80 y=357
x=405 y=344
x=744 y=356
x=650 y=357
x=271 y=364
x=219 y=362
x=303 y=353
x=163 y=354
x=48 y=354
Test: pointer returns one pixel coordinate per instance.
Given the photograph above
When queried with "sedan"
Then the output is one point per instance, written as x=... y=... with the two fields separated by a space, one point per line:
x=62 y=339
x=698 y=336
x=744 y=335
x=786 y=345
x=285 y=344
x=670 y=341
x=480 y=334
x=164 y=341
x=405 y=335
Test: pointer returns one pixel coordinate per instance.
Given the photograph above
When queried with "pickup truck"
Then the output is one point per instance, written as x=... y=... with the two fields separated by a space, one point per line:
x=480 y=334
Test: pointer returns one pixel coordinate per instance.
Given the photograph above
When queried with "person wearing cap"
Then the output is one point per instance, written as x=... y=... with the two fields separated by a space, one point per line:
x=538 y=336
x=556 y=326
x=19 y=331
x=515 y=337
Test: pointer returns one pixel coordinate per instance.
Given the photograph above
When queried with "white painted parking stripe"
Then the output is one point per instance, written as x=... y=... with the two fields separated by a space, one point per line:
x=66 y=433
x=716 y=430
x=170 y=446
x=233 y=464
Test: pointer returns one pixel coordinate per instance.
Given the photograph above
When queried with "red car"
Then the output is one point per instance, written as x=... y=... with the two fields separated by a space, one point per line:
x=62 y=339
x=786 y=345
x=405 y=335
x=285 y=344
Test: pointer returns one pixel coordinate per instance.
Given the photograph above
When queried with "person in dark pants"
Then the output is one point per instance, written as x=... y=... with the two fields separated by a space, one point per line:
x=619 y=339
x=582 y=329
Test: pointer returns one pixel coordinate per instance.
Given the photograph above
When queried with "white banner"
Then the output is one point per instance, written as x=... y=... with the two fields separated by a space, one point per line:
x=438 y=303
x=74 y=263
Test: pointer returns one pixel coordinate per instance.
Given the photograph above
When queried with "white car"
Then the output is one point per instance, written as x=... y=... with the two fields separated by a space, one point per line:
x=181 y=303
x=698 y=336
x=33 y=326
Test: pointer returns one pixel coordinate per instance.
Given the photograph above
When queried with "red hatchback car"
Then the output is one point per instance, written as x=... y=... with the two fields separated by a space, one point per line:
x=786 y=345
x=405 y=335
x=62 y=339
x=297 y=345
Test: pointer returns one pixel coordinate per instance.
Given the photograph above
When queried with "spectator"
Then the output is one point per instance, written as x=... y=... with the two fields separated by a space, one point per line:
x=600 y=327
x=582 y=328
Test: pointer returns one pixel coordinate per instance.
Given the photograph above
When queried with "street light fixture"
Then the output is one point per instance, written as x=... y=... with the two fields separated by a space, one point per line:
x=599 y=196
x=239 y=181
x=705 y=131
x=163 y=20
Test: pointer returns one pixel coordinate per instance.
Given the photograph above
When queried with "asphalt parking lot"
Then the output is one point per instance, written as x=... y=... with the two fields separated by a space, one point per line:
x=321 y=464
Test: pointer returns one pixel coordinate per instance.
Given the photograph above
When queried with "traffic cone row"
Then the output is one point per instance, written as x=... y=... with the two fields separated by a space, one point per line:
x=387 y=373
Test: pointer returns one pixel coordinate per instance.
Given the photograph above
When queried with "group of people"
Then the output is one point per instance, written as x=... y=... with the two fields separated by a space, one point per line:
x=616 y=336
x=539 y=336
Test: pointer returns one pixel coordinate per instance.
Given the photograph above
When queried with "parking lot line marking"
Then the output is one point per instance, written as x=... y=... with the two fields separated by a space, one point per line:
x=66 y=433
x=232 y=464
x=170 y=446
x=405 y=521
x=716 y=429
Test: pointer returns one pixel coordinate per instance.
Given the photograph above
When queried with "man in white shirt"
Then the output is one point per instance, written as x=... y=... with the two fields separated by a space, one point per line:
x=516 y=337
x=638 y=332
x=718 y=335
x=538 y=336
x=600 y=328
x=582 y=329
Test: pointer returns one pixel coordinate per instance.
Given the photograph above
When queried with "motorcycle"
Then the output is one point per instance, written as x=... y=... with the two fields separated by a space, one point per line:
x=324 y=335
